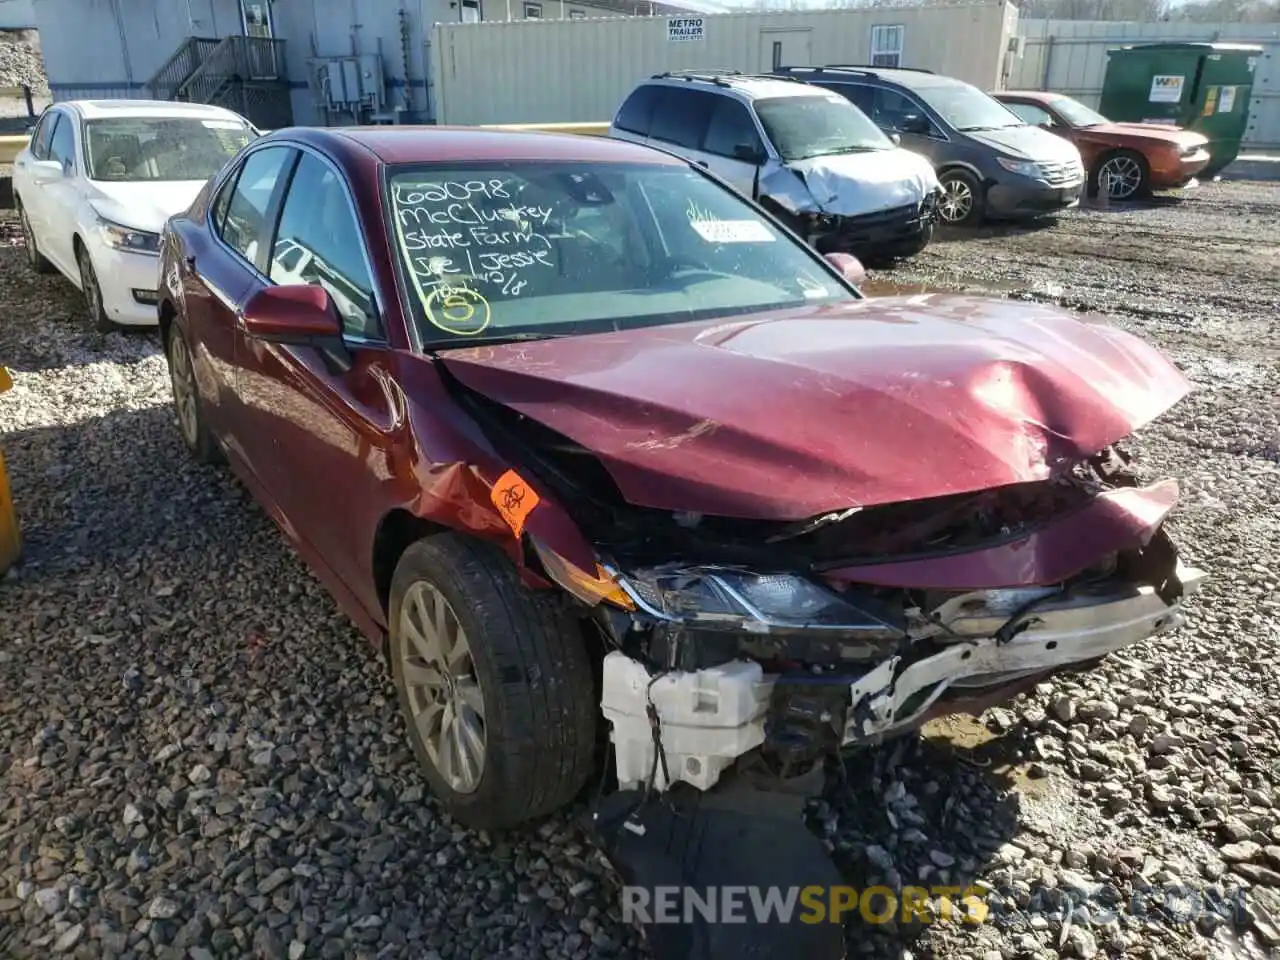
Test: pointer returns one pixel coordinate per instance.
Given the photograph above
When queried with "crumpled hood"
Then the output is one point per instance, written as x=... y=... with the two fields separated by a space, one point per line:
x=852 y=184
x=785 y=416
x=1028 y=143
x=142 y=205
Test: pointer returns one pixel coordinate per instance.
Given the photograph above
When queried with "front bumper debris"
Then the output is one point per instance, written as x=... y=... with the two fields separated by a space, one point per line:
x=896 y=227
x=690 y=725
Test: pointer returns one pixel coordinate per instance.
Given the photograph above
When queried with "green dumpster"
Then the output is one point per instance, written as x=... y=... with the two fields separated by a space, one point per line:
x=1204 y=87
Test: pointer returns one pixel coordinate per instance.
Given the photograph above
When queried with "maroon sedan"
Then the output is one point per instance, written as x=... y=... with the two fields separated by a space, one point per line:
x=595 y=446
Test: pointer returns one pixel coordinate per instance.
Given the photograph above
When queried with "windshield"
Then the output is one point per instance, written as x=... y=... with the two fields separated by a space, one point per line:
x=967 y=108
x=127 y=149
x=527 y=250
x=1076 y=113
x=802 y=127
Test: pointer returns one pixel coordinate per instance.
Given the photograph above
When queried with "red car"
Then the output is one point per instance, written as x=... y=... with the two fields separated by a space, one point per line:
x=1136 y=158
x=595 y=446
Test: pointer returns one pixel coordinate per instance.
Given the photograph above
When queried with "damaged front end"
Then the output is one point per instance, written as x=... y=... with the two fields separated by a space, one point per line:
x=746 y=648
x=738 y=678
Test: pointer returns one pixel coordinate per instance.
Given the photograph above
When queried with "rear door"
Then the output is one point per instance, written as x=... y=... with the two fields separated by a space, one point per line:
x=317 y=435
x=680 y=118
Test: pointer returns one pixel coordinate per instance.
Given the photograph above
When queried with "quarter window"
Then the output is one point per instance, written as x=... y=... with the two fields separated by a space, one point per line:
x=63 y=145
x=319 y=242
x=637 y=111
x=886 y=45
x=249 y=203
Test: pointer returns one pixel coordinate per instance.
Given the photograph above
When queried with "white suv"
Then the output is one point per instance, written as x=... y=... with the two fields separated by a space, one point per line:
x=807 y=154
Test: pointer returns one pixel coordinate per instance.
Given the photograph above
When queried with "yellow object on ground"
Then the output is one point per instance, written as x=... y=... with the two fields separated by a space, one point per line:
x=10 y=537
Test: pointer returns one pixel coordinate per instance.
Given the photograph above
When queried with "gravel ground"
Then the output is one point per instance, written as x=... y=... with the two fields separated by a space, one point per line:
x=199 y=756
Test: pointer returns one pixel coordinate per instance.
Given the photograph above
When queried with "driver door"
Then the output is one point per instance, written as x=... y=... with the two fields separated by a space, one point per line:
x=732 y=146
x=895 y=112
x=321 y=436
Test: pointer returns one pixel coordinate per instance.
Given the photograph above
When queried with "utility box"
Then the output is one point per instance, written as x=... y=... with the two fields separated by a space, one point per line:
x=1204 y=87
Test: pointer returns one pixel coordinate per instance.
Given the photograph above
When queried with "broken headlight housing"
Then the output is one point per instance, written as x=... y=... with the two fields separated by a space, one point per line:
x=744 y=600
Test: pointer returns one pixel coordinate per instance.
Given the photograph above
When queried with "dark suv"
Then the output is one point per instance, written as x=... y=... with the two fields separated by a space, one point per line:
x=991 y=162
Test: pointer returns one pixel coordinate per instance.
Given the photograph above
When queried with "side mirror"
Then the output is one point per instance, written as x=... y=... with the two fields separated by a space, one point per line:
x=848 y=266
x=747 y=153
x=896 y=138
x=45 y=171
x=299 y=314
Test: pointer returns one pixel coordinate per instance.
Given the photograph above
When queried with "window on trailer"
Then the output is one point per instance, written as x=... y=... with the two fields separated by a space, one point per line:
x=577 y=15
x=533 y=11
x=471 y=11
x=886 y=45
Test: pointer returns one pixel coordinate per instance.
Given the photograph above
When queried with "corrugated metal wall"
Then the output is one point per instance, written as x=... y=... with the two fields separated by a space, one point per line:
x=1070 y=56
x=580 y=70
x=16 y=14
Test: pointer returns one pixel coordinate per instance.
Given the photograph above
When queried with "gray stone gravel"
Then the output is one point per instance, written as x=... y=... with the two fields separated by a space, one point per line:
x=199 y=756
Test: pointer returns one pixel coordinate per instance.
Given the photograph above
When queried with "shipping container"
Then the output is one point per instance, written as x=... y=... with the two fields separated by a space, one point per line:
x=580 y=70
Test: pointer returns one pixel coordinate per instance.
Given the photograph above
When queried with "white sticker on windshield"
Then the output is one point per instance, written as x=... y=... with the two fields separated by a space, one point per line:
x=732 y=231
x=223 y=124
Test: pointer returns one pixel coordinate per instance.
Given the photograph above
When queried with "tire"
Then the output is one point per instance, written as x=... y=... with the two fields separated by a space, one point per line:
x=186 y=399
x=525 y=664
x=35 y=259
x=92 y=292
x=1130 y=173
x=962 y=202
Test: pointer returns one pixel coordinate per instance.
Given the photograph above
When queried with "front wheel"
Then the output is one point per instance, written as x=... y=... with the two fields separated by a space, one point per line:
x=1126 y=174
x=92 y=293
x=494 y=684
x=962 y=203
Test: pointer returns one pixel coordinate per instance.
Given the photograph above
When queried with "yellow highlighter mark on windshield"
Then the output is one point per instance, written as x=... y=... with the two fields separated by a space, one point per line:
x=458 y=310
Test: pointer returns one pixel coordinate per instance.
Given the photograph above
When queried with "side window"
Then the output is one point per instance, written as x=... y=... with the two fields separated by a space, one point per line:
x=680 y=117
x=44 y=133
x=637 y=112
x=730 y=127
x=319 y=242
x=220 y=204
x=1030 y=113
x=249 y=202
x=893 y=111
x=62 y=147
x=863 y=98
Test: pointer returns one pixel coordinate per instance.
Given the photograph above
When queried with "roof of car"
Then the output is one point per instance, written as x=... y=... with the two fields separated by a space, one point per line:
x=754 y=86
x=907 y=78
x=97 y=109
x=1042 y=95
x=413 y=144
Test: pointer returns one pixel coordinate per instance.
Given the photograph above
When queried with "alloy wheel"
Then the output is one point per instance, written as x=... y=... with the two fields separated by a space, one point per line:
x=956 y=202
x=92 y=295
x=182 y=376
x=1123 y=176
x=445 y=699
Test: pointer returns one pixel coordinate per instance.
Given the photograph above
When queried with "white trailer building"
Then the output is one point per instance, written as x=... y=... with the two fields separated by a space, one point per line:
x=580 y=70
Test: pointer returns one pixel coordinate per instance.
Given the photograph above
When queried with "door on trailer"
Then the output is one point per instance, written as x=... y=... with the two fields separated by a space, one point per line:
x=259 y=28
x=785 y=48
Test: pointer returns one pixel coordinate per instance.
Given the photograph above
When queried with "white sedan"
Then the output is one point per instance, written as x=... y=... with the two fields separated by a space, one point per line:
x=99 y=179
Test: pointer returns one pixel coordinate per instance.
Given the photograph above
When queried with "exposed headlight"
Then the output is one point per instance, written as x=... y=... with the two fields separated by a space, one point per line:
x=1026 y=168
x=741 y=600
x=128 y=239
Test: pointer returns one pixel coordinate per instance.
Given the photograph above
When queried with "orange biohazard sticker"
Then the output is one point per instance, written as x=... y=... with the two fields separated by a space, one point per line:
x=514 y=499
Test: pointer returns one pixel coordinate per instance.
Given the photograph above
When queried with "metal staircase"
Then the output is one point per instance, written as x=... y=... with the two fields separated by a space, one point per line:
x=244 y=74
